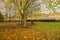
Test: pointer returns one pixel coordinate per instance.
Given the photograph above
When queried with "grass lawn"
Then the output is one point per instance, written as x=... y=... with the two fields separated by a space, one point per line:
x=39 y=31
x=52 y=26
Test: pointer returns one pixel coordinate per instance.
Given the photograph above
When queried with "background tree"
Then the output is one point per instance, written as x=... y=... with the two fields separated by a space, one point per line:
x=10 y=8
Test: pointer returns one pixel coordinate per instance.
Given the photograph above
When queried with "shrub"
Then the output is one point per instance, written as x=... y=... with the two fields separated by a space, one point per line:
x=1 y=17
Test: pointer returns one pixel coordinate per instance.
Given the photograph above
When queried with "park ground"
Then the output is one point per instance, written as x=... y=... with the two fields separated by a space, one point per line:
x=37 y=31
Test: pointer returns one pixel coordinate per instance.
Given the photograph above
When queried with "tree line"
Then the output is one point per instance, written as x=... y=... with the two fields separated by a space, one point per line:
x=29 y=6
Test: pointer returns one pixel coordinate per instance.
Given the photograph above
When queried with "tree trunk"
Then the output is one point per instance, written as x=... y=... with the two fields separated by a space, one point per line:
x=24 y=20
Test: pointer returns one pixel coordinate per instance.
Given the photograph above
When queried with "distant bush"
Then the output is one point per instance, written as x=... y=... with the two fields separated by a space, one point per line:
x=1 y=17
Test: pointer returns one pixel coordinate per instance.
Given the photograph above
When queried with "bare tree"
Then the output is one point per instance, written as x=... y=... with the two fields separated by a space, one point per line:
x=25 y=7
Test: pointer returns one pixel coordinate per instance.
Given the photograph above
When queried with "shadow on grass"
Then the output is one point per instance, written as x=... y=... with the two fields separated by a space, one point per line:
x=29 y=25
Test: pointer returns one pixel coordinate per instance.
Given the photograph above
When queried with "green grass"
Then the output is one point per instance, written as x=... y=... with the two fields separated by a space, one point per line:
x=48 y=26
